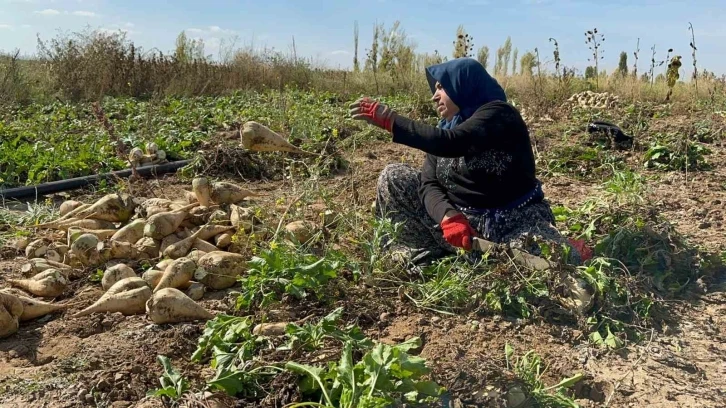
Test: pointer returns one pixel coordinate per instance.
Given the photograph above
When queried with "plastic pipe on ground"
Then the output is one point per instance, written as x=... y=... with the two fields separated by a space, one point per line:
x=78 y=182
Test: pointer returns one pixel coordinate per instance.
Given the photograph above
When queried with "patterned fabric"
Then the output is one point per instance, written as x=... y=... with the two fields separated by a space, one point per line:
x=420 y=239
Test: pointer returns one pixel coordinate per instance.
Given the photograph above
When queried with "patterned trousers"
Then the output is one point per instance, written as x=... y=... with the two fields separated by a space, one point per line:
x=421 y=240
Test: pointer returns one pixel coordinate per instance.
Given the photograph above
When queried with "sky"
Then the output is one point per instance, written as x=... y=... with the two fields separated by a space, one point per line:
x=323 y=30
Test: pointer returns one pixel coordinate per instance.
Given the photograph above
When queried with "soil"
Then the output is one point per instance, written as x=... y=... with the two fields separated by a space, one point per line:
x=109 y=360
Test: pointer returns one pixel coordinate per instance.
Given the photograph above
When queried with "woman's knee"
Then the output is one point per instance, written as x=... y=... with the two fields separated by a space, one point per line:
x=397 y=176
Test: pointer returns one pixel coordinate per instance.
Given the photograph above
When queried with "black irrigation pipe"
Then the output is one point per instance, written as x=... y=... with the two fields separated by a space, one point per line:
x=78 y=182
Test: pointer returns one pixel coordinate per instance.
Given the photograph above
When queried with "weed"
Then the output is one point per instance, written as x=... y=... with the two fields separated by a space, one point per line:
x=655 y=252
x=383 y=232
x=581 y=162
x=692 y=44
x=173 y=385
x=670 y=153
x=356 y=63
x=556 y=55
x=311 y=336
x=284 y=270
x=36 y=213
x=483 y=56
x=594 y=42
x=445 y=287
x=463 y=45
x=672 y=75
x=636 y=53
x=385 y=376
x=624 y=187
x=651 y=77
x=529 y=369
x=233 y=347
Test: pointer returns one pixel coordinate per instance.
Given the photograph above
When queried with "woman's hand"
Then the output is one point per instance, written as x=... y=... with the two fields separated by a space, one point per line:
x=457 y=231
x=373 y=112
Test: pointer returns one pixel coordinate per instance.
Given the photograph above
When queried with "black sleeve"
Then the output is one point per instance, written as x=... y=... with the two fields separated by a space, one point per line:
x=481 y=130
x=432 y=193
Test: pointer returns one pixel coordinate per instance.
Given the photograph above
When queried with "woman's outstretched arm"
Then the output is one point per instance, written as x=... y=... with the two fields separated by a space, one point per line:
x=485 y=128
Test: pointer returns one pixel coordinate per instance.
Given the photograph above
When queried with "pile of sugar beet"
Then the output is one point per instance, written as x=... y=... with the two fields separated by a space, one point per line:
x=187 y=236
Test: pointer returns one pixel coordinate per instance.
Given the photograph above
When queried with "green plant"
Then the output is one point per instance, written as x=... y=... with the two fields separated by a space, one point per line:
x=311 y=336
x=610 y=340
x=529 y=369
x=676 y=154
x=445 y=286
x=655 y=252
x=173 y=384
x=527 y=64
x=233 y=347
x=625 y=187
x=384 y=376
x=383 y=232
x=623 y=65
x=483 y=56
x=515 y=293
x=672 y=75
x=582 y=162
x=283 y=270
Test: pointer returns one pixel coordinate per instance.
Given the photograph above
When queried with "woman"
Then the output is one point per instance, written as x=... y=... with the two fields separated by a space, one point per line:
x=478 y=177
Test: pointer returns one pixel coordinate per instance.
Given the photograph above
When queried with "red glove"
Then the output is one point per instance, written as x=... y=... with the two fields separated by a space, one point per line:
x=373 y=112
x=584 y=250
x=457 y=231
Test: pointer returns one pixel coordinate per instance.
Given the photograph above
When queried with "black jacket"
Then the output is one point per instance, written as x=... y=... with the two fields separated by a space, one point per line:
x=485 y=162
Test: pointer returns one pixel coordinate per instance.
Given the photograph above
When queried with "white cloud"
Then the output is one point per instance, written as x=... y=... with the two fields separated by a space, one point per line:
x=211 y=30
x=54 y=12
x=129 y=25
x=48 y=12
x=218 y=29
x=83 y=13
x=340 y=52
x=6 y=27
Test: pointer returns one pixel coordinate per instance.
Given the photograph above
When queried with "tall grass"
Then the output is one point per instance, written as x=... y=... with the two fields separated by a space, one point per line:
x=89 y=65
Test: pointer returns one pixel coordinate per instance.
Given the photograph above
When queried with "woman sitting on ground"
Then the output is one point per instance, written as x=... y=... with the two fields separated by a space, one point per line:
x=478 y=177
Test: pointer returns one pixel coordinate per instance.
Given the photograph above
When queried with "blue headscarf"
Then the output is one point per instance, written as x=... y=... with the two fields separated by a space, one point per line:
x=468 y=85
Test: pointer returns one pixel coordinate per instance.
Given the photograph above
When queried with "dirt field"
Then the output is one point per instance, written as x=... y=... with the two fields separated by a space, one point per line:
x=109 y=360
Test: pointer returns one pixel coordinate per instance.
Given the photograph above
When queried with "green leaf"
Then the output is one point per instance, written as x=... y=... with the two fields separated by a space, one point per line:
x=231 y=383
x=613 y=341
x=313 y=373
x=569 y=382
x=508 y=354
x=596 y=338
x=346 y=374
x=411 y=344
x=375 y=402
x=412 y=366
x=429 y=388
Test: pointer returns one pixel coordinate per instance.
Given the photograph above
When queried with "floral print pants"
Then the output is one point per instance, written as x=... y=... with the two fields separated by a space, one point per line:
x=421 y=240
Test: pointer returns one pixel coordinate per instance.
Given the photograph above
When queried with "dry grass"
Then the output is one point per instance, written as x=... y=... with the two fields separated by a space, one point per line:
x=90 y=65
